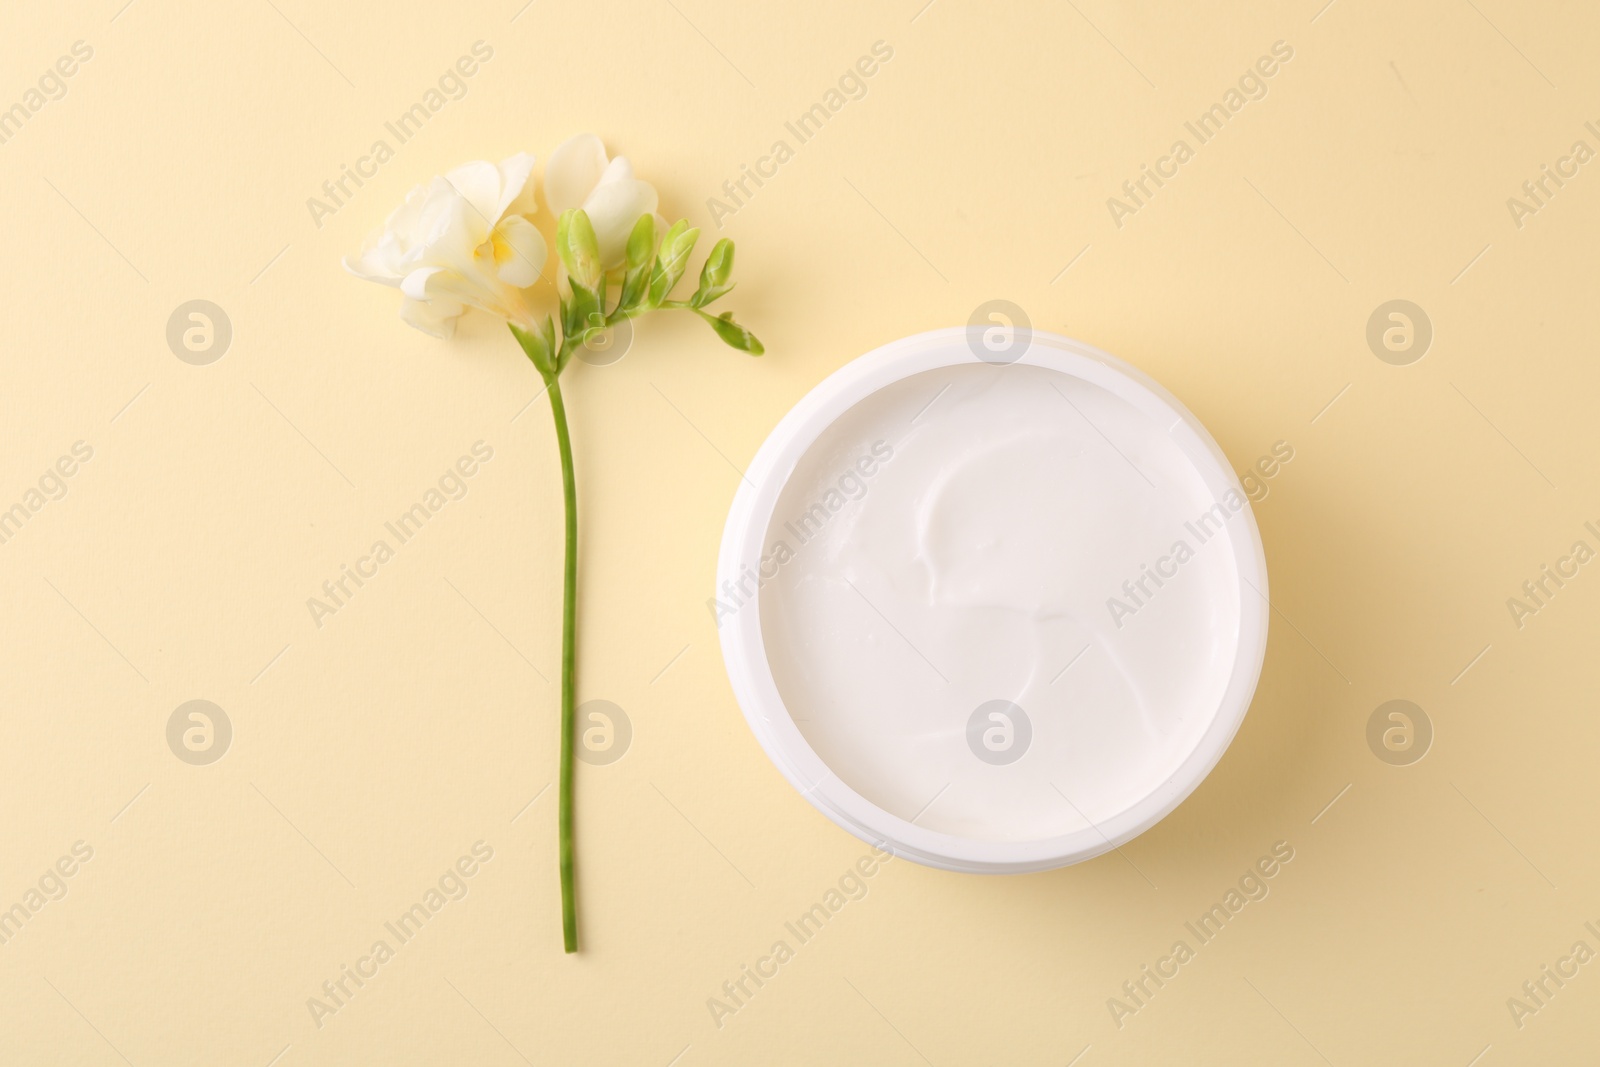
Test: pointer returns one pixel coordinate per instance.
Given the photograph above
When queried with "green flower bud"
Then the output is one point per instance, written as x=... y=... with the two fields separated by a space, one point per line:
x=641 y=245
x=732 y=334
x=714 y=275
x=579 y=251
x=672 y=260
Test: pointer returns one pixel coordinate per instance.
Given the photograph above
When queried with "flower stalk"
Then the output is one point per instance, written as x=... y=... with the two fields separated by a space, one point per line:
x=648 y=275
x=569 y=661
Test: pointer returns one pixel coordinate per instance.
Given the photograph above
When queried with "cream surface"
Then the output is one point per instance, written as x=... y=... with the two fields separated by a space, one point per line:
x=955 y=548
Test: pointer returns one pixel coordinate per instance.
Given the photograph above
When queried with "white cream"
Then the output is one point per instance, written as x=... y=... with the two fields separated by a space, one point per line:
x=980 y=555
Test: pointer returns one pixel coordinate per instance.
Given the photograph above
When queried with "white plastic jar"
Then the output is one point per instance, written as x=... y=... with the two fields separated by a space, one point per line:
x=992 y=612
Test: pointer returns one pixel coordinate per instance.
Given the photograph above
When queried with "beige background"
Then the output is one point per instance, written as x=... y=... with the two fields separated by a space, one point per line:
x=370 y=753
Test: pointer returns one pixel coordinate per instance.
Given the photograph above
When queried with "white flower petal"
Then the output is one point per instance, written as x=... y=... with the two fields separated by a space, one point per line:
x=572 y=172
x=516 y=191
x=377 y=261
x=415 y=284
x=452 y=232
x=617 y=170
x=436 y=318
x=382 y=252
x=519 y=252
x=364 y=269
x=403 y=220
x=479 y=184
x=614 y=208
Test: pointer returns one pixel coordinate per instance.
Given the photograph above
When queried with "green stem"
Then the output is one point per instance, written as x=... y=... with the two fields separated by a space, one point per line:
x=569 y=605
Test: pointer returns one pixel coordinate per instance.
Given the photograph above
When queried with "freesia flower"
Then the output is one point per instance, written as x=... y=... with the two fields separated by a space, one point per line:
x=465 y=239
